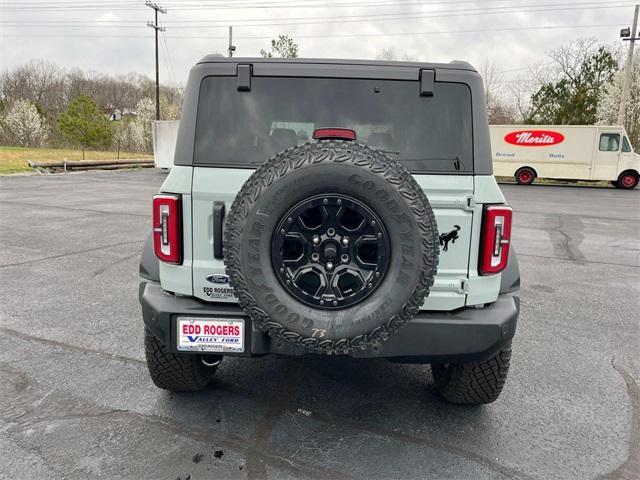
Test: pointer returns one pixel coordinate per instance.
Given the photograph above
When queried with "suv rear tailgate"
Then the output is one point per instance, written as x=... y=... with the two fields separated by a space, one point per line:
x=449 y=195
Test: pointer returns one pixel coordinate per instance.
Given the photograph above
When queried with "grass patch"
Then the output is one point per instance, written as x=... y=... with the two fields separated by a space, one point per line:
x=14 y=159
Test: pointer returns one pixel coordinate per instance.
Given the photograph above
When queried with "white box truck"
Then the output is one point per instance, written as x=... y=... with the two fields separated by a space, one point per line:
x=566 y=152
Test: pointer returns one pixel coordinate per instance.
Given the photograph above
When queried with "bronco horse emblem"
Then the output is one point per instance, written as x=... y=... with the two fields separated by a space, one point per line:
x=451 y=236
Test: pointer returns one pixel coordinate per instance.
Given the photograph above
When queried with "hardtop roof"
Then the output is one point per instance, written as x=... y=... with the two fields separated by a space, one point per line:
x=453 y=65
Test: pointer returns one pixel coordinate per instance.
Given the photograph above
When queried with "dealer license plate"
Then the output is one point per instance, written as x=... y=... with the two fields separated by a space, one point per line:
x=197 y=334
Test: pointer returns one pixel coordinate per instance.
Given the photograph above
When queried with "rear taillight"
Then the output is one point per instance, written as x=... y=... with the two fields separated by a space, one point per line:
x=167 y=228
x=496 y=237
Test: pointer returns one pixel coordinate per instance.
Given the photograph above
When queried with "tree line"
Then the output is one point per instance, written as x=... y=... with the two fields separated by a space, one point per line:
x=42 y=104
x=578 y=84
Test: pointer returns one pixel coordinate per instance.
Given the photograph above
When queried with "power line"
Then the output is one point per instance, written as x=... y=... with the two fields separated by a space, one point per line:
x=346 y=35
x=387 y=3
x=384 y=17
x=235 y=4
x=168 y=61
x=267 y=5
x=379 y=16
x=529 y=66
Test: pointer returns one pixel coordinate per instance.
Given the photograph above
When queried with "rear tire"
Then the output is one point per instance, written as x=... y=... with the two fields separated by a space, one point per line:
x=473 y=383
x=176 y=372
x=627 y=180
x=525 y=176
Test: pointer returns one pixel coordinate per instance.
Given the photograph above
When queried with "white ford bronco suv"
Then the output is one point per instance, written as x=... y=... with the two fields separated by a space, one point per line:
x=332 y=207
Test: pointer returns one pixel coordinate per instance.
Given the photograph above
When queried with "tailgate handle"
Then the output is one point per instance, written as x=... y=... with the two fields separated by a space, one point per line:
x=218 y=221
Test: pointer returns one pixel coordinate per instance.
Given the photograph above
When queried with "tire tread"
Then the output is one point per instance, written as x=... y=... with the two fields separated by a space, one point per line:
x=473 y=383
x=176 y=372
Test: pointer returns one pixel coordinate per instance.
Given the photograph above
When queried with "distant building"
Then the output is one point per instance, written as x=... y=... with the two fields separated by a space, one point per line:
x=118 y=114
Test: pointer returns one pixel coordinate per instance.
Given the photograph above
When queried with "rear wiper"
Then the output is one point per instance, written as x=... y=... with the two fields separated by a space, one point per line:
x=455 y=160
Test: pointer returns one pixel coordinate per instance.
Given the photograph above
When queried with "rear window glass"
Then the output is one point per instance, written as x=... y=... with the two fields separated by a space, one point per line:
x=244 y=129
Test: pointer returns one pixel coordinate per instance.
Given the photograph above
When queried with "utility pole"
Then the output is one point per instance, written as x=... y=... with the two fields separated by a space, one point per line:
x=157 y=28
x=631 y=38
x=232 y=48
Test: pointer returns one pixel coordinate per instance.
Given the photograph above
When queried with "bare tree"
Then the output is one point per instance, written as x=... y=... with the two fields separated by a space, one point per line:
x=610 y=102
x=391 y=54
x=283 y=46
x=499 y=108
x=37 y=81
x=520 y=90
x=570 y=58
x=492 y=78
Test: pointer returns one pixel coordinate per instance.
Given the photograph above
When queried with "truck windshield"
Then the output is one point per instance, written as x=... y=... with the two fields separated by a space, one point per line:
x=243 y=129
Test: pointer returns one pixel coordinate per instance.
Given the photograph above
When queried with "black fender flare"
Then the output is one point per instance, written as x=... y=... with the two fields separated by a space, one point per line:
x=510 y=280
x=149 y=263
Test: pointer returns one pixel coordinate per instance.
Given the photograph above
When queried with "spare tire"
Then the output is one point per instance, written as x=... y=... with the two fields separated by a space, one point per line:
x=332 y=246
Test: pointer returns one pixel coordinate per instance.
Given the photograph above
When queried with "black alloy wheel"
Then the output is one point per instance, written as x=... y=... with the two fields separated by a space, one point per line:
x=330 y=251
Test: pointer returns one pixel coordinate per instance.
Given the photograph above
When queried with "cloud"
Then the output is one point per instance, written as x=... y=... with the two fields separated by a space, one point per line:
x=93 y=38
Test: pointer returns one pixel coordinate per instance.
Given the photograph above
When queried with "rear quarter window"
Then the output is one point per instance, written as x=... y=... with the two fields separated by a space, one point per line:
x=243 y=129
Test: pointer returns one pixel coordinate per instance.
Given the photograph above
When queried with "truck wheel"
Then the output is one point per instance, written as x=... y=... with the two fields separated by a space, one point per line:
x=627 y=180
x=331 y=246
x=473 y=383
x=525 y=176
x=177 y=372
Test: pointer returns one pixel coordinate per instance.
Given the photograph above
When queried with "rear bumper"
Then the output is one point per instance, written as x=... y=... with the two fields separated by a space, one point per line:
x=464 y=335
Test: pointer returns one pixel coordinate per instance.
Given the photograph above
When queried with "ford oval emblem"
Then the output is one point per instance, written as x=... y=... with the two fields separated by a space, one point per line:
x=218 y=278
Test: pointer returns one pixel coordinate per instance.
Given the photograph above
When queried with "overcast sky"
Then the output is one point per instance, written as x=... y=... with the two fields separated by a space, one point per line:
x=111 y=35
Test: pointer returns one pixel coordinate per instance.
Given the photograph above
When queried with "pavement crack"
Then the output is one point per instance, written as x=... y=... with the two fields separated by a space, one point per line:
x=267 y=423
x=585 y=262
x=342 y=422
x=579 y=215
x=74 y=209
x=69 y=254
x=70 y=416
x=565 y=245
x=31 y=418
x=254 y=451
x=24 y=336
x=101 y=270
x=630 y=468
x=276 y=407
x=315 y=450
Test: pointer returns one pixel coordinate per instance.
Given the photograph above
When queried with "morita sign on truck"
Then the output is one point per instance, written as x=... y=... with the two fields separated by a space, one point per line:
x=567 y=152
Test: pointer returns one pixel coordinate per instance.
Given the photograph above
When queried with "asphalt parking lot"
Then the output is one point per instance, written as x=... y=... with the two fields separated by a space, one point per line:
x=76 y=400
